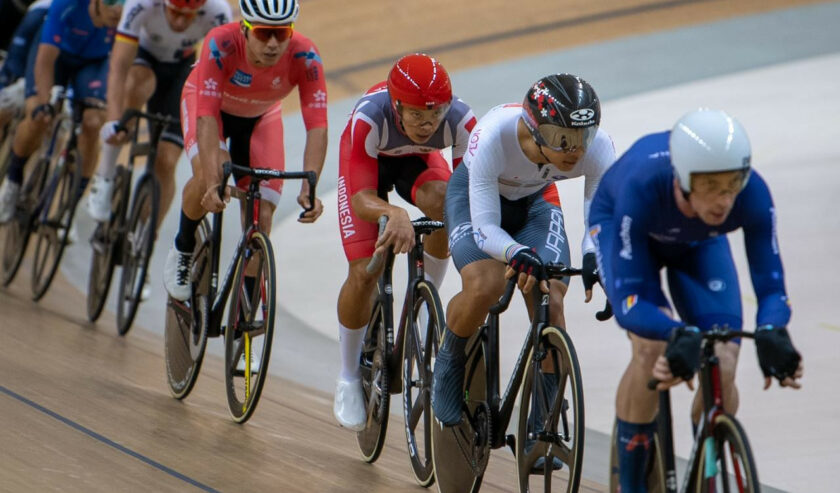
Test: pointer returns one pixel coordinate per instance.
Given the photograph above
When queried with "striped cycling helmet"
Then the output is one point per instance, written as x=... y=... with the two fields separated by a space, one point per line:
x=272 y=12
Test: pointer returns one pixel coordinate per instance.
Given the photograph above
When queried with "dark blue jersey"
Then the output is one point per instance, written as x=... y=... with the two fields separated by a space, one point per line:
x=69 y=27
x=635 y=203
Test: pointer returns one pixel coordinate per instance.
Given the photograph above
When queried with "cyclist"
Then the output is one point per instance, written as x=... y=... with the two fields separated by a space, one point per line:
x=669 y=201
x=23 y=46
x=75 y=41
x=234 y=91
x=393 y=140
x=502 y=207
x=152 y=57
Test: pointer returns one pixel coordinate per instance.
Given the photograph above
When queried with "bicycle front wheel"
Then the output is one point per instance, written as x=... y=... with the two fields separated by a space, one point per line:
x=19 y=230
x=250 y=328
x=137 y=250
x=421 y=336
x=185 y=333
x=55 y=220
x=375 y=385
x=549 y=443
x=104 y=243
x=724 y=461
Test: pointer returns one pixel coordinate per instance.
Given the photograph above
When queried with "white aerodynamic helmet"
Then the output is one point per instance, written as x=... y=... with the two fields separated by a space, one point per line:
x=273 y=12
x=708 y=141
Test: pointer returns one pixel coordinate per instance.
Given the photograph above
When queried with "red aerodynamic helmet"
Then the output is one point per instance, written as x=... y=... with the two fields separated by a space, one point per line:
x=419 y=80
x=186 y=4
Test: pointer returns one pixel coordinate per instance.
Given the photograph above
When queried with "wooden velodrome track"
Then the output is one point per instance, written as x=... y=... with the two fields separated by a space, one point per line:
x=82 y=409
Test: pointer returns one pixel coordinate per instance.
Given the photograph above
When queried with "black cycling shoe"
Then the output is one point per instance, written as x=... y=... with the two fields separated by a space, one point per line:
x=535 y=423
x=448 y=381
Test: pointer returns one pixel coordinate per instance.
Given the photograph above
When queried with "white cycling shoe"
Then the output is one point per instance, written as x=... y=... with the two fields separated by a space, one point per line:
x=176 y=274
x=99 y=199
x=349 y=405
x=255 y=364
x=9 y=194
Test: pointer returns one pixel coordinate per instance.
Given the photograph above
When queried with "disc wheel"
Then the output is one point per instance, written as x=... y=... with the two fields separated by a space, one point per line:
x=725 y=462
x=458 y=454
x=105 y=245
x=375 y=386
x=551 y=419
x=55 y=219
x=138 y=243
x=250 y=328
x=422 y=333
x=185 y=332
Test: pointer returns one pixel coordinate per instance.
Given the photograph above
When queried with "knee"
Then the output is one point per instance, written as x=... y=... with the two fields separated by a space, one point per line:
x=728 y=362
x=266 y=216
x=430 y=198
x=646 y=352
x=92 y=121
x=358 y=278
x=482 y=289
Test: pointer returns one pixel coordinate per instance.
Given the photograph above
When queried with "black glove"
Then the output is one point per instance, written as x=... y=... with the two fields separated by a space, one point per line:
x=590 y=271
x=527 y=261
x=683 y=351
x=776 y=354
x=46 y=108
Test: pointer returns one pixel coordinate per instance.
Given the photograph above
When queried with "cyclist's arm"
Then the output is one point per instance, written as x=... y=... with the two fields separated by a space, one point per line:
x=312 y=90
x=210 y=78
x=364 y=174
x=45 y=71
x=632 y=267
x=462 y=135
x=207 y=130
x=122 y=56
x=599 y=157
x=314 y=154
x=765 y=261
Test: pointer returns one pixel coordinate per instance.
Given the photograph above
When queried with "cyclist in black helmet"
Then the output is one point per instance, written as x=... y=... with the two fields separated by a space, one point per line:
x=503 y=212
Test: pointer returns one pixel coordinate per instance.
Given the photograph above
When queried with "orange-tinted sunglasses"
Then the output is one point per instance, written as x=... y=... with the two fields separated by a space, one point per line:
x=187 y=14
x=265 y=33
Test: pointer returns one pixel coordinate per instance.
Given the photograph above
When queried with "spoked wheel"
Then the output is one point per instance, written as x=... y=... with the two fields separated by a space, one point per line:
x=725 y=463
x=250 y=328
x=550 y=433
x=19 y=229
x=137 y=248
x=54 y=221
x=654 y=471
x=420 y=342
x=460 y=453
x=105 y=245
x=375 y=386
x=185 y=336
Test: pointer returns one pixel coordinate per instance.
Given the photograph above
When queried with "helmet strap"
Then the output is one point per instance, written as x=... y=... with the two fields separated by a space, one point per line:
x=539 y=147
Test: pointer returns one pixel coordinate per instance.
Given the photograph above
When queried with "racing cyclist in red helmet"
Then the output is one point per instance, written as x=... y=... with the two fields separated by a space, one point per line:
x=393 y=140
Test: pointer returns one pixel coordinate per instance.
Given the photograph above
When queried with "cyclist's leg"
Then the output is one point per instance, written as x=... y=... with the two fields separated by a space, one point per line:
x=265 y=150
x=636 y=406
x=90 y=84
x=705 y=290
x=428 y=193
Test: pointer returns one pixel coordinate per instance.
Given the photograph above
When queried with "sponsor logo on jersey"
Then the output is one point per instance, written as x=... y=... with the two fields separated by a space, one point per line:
x=241 y=79
x=215 y=53
x=626 y=245
x=479 y=237
x=716 y=285
x=275 y=83
x=211 y=84
x=459 y=232
x=628 y=303
x=345 y=215
x=319 y=100
x=132 y=14
x=556 y=239
x=474 y=138
x=309 y=56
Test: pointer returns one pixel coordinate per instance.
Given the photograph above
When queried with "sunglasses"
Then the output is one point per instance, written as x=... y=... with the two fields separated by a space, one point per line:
x=187 y=14
x=564 y=139
x=265 y=33
x=113 y=3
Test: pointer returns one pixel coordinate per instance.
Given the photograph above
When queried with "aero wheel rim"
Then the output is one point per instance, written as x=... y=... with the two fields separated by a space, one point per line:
x=137 y=248
x=375 y=387
x=417 y=392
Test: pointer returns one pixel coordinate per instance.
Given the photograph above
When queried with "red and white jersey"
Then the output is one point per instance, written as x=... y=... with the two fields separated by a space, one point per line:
x=144 y=22
x=373 y=131
x=226 y=82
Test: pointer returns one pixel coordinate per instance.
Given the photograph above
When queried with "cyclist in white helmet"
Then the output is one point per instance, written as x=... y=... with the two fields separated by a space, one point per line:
x=669 y=201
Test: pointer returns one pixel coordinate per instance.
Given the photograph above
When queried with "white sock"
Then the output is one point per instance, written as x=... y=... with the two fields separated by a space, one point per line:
x=108 y=161
x=435 y=268
x=350 y=343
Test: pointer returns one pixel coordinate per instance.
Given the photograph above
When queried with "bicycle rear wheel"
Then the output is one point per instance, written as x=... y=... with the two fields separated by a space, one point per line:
x=418 y=345
x=250 y=328
x=185 y=333
x=460 y=453
x=137 y=248
x=105 y=243
x=54 y=221
x=19 y=229
x=375 y=385
x=725 y=462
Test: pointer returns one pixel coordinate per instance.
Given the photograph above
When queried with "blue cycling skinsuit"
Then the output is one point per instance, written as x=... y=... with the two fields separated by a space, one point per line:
x=638 y=229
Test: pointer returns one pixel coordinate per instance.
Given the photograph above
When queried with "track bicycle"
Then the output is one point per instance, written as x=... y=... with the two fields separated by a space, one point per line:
x=549 y=377
x=721 y=459
x=128 y=237
x=241 y=309
x=393 y=363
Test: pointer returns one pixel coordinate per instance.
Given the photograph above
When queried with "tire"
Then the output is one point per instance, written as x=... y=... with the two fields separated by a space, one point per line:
x=185 y=332
x=418 y=343
x=250 y=328
x=19 y=230
x=58 y=211
x=375 y=386
x=725 y=457
x=137 y=246
x=105 y=246
x=563 y=417
x=460 y=453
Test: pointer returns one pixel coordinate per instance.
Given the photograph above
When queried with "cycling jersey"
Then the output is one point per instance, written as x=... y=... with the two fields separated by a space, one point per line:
x=227 y=82
x=23 y=41
x=498 y=167
x=144 y=22
x=69 y=27
x=638 y=230
x=374 y=154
